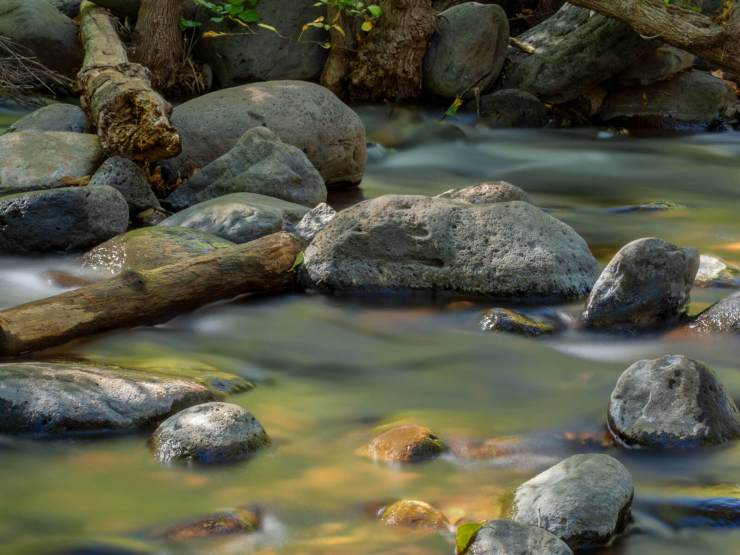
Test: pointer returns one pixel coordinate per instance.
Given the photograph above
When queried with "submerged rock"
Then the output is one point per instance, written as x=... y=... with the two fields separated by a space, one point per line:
x=409 y=513
x=584 y=500
x=659 y=64
x=509 y=108
x=66 y=118
x=35 y=160
x=671 y=402
x=301 y=114
x=242 y=520
x=151 y=247
x=314 y=221
x=129 y=180
x=240 y=217
x=61 y=398
x=506 y=537
x=510 y=321
x=60 y=220
x=645 y=286
x=694 y=97
x=211 y=433
x=259 y=163
x=467 y=50
x=396 y=242
x=487 y=192
x=685 y=513
x=715 y=272
x=722 y=317
x=406 y=444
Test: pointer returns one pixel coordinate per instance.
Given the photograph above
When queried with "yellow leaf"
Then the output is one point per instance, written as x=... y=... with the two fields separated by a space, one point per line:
x=367 y=26
x=211 y=34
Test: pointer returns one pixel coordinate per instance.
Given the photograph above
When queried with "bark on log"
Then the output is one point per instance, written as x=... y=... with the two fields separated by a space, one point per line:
x=132 y=120
x=384 y=64
x=715 y=40
x=150 y=296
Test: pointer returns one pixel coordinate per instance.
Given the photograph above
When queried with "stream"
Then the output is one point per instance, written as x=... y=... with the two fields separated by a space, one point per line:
x=331 y=372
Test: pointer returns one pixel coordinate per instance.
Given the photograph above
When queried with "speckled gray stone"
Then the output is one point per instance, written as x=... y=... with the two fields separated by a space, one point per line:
x=722 y=317
x=487 y=192
x=506 y=537
x=129 y=180
x=314 y=221
x=672 y=402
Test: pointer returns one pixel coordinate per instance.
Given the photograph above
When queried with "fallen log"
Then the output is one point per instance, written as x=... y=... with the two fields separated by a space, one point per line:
x=132 y=119
x=135 y=298
x=715 y=39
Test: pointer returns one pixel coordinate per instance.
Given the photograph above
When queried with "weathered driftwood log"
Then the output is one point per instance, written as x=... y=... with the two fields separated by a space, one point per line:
x=132 y=120
x=384 y=63
x=715 y=39
x=150 y=296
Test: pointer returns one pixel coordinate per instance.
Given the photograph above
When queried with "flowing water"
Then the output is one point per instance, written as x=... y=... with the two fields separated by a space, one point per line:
x=332 y=372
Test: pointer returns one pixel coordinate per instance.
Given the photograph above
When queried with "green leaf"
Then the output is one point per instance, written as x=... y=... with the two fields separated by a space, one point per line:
x=298 y=261
x=465 y=535
x=188 y=24
x=375 y=10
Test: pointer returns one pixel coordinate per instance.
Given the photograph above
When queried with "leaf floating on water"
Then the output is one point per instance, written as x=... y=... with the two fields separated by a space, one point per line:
x=465 y=535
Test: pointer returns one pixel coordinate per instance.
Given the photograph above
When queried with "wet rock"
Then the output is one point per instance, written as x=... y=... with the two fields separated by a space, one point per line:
x=511 y=321
x=671 y=402
x=409 y=513
x=242 y=520
x=396 y=242
x=584 y=500
x=576 y=49
x=314 y=221
x=67 y=219
x=129 y=180
x=54 y=398
x=60 y=117
x=46 y=32
x=468 y=49
x=645 y=286
x=211 y=433
x=694 y=97
x=486 y=193
x=151 y=247
x=65 y=155
x=509 y=108
x=722 y=317
x=259 y=163
x=659 y=64
x=302 y=114
x=152 y=216
x=261 y=55
x=406 y=444
x=240 y=217
x=715 y=272
x=505 y=537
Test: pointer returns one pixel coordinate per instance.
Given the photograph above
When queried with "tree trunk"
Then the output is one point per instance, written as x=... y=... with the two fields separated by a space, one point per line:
x=716 y=40
x=132 y=120
x=150 y=296
x=384 y=64
x=158 y=41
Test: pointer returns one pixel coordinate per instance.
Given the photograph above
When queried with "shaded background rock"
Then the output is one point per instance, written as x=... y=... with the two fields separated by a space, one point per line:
x=509 y=108
x=672 y=402
x=659 y=64
x=54 y=117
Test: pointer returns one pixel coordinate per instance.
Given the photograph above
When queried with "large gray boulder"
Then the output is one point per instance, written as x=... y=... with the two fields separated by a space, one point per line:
x=576 y=49
x=645 y=286
x=237 y=57
x=55 y=398
x=584 y=500
x=151 y=247
x=671 y=402
x=396 y=242
x=722 y=317
x=35 y=160
x=506 y=537
x=67 y=219
x=259 y=163
x=468 y=49
x=660 y=63
x=240 y=217
x=691 y=97
x=302 y=114
x=54 y=117
x=210 y=433
x=47 y=33
x=129 y=180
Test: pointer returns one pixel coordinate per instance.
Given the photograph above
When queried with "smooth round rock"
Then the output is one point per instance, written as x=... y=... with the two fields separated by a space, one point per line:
x=129 y=180
x=60 y=220
x=406 y=444
x=487 y=192
x=409 y=513
x=645 y=286
x=672 y=402
x=584 y=500
x=210 y=433
x=505 y=537
x=66 y=118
